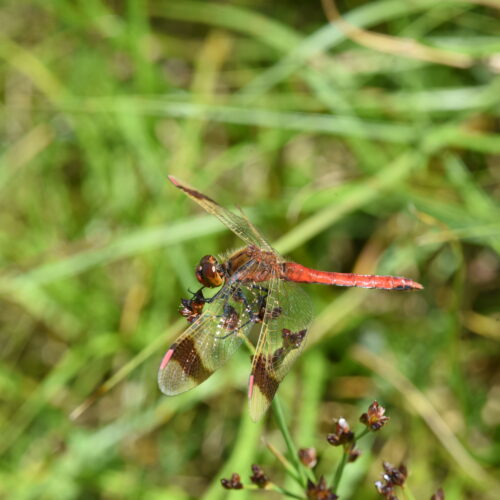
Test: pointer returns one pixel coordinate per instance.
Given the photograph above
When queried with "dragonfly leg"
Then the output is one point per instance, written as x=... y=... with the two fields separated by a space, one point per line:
x=236 y=330
x=231 y=317
x=256 y=316
x=194 y=294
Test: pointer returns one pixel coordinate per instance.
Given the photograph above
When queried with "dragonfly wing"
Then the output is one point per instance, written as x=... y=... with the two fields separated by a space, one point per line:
x=241 y=226
x=281 y=340
x=208 y=343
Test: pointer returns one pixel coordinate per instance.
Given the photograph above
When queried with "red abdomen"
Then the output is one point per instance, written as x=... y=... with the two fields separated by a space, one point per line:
x=300 y=274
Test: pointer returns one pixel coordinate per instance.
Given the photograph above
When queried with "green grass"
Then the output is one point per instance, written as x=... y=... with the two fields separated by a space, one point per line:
x=345 y=157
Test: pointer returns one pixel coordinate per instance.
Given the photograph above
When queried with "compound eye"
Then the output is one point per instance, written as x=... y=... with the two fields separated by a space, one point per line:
x=207 y=272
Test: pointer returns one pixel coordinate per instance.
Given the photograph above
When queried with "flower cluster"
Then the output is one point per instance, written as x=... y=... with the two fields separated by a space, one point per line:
x=319 y=491
x=308 y=457
x=303 y=462
x=392 y=477
x=439 y=495
x=258 y=477
x=232 y=484
x=374 y=418
x=343 y=436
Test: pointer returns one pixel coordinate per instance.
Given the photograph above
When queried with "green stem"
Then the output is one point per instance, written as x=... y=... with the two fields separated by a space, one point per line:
x=343 y=461
x=292 y=450
x=407 y=493
x=286 y=464
x=339 y=471
x=310 y=474
x=361 y=434
x=287 y=493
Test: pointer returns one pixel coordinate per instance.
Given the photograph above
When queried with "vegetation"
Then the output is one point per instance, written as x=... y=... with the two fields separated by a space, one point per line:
x=371 y=150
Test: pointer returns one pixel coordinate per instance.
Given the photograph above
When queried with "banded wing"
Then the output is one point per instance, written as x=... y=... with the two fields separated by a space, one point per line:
x=212 y=339
x=240 y=226
x=281 y=340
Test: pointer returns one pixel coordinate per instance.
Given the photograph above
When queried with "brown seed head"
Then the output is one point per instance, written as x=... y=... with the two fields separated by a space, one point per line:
x=386 y=490
x=319 y=491
x=353 y=455
x=342 y=435
x=258 y=477
x=232 y=484
x=392 y=477
x=439 y=495
x=308 y=457
x=374 y=419
x=395 y=475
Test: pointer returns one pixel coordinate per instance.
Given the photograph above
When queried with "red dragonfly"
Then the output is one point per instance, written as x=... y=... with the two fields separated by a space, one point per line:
x=257 y=287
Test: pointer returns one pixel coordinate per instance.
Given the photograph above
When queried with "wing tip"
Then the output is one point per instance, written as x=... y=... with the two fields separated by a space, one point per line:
x=258 y=404
x=250 y=386
x=166 y=359
x=174 y=181
x=194 y=193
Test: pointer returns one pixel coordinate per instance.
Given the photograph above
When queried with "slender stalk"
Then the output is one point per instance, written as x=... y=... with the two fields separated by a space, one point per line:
x=340 y=468
x=286 y=464
x=407 y=493
x=365 y=431
x=309 y=473
x=274 y=487
x=339 y=471
x=287 y=493
x=292 y=450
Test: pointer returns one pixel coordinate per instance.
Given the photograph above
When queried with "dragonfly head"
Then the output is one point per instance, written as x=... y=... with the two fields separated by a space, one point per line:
x=209 y=273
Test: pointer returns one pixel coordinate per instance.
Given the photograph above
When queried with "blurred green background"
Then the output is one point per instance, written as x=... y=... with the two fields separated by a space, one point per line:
x=347 y=156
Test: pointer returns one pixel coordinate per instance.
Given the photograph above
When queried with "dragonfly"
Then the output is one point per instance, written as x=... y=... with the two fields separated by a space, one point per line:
x=254 y=288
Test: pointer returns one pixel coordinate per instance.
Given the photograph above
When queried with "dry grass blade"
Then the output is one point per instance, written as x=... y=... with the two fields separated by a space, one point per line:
x=404 y=47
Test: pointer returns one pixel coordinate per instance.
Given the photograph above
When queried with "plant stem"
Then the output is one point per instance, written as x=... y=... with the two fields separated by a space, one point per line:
x=339 y=471
x=361 y=434
x=286 y=492
x=292 y=450
x=407 y=493
x=343 y=461
x=309 y=473
x=286 y=464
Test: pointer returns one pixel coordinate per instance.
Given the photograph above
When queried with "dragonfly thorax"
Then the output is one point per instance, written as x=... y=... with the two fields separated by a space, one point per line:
x=209 y=272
